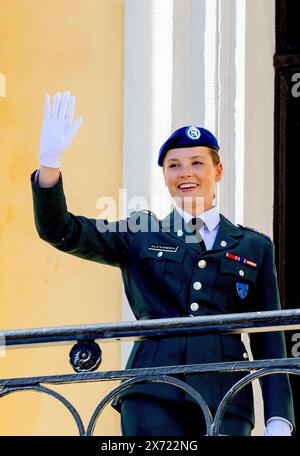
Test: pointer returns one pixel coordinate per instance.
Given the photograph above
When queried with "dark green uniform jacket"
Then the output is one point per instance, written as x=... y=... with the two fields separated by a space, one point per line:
x=161 y=272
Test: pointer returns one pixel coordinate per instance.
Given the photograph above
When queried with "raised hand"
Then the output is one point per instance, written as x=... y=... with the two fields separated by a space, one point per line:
x=58 y=129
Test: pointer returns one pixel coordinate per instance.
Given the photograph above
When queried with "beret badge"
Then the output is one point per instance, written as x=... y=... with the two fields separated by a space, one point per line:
x=193 y=132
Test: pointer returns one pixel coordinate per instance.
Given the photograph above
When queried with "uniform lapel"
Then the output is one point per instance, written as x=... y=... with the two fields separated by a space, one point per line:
x=178 y=229
x=226 y=238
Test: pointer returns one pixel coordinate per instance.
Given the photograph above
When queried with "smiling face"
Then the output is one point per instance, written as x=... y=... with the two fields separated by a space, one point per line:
x=191 y=176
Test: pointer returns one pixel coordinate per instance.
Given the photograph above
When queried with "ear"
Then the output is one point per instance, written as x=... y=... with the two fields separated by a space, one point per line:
x=219 y=172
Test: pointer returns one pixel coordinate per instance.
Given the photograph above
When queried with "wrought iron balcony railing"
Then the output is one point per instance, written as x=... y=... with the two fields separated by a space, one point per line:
x=85 y=357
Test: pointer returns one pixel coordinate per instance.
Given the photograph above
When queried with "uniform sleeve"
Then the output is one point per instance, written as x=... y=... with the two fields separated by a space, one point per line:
x=276 y=388
x=86 y=238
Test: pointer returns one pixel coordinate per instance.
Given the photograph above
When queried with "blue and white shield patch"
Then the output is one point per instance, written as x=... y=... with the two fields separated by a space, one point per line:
x=242 y=289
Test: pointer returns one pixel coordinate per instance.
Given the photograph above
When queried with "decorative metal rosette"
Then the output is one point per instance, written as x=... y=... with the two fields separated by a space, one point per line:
x=85 y=356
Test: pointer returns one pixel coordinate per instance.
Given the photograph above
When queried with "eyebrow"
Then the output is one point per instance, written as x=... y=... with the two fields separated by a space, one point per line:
x=191 y=158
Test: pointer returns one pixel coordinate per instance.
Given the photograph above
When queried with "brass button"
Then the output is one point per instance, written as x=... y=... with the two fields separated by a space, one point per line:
x=202 y=264
x=197 y=285
x=241 y=272
x=194 y=306
x=160 y=254
x=223 y=243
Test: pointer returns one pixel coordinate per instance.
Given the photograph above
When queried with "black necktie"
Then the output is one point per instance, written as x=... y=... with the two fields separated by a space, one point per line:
x=195 y=224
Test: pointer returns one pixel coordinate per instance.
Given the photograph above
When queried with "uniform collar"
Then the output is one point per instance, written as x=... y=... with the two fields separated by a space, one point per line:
x=211 y=217
x=227 y=236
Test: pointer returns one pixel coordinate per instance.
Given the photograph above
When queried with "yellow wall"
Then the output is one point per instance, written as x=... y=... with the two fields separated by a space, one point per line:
x=50 y=45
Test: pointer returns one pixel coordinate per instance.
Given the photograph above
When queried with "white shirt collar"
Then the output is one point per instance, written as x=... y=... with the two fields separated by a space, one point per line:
x=211 y=218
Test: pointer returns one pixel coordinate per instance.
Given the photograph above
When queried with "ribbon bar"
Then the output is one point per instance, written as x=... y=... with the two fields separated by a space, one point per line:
x=240 y=259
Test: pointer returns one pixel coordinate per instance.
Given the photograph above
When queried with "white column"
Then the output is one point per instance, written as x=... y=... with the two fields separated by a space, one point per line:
x=240 y=110
x=188 y=104
x=161 y=102
x=259 y=126
x=208 y=84
x=138 y=90
x=147 y=104
x=211 y=64
x=259 y=114
x=148 y=96
x=230 y=115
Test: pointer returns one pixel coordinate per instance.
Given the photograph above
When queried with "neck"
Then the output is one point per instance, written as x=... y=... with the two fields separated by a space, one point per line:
x=195 y=209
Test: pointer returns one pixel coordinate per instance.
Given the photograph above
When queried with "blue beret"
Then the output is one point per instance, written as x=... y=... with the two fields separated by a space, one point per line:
x=188 y=137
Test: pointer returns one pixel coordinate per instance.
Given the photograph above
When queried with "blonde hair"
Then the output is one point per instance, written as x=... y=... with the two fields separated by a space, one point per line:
x=214 y=156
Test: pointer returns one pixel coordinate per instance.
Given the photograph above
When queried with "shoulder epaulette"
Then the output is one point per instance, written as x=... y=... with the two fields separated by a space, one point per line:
x=255 y=231
x=142 y=211
x=143 y=218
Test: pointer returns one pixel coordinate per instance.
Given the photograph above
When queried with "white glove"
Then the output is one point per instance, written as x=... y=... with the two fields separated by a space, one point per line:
x=277 y=427
x=58 y=129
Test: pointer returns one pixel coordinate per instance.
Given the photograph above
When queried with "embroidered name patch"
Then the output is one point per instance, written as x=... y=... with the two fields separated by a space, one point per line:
x=240 y=259
x=163 y=248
